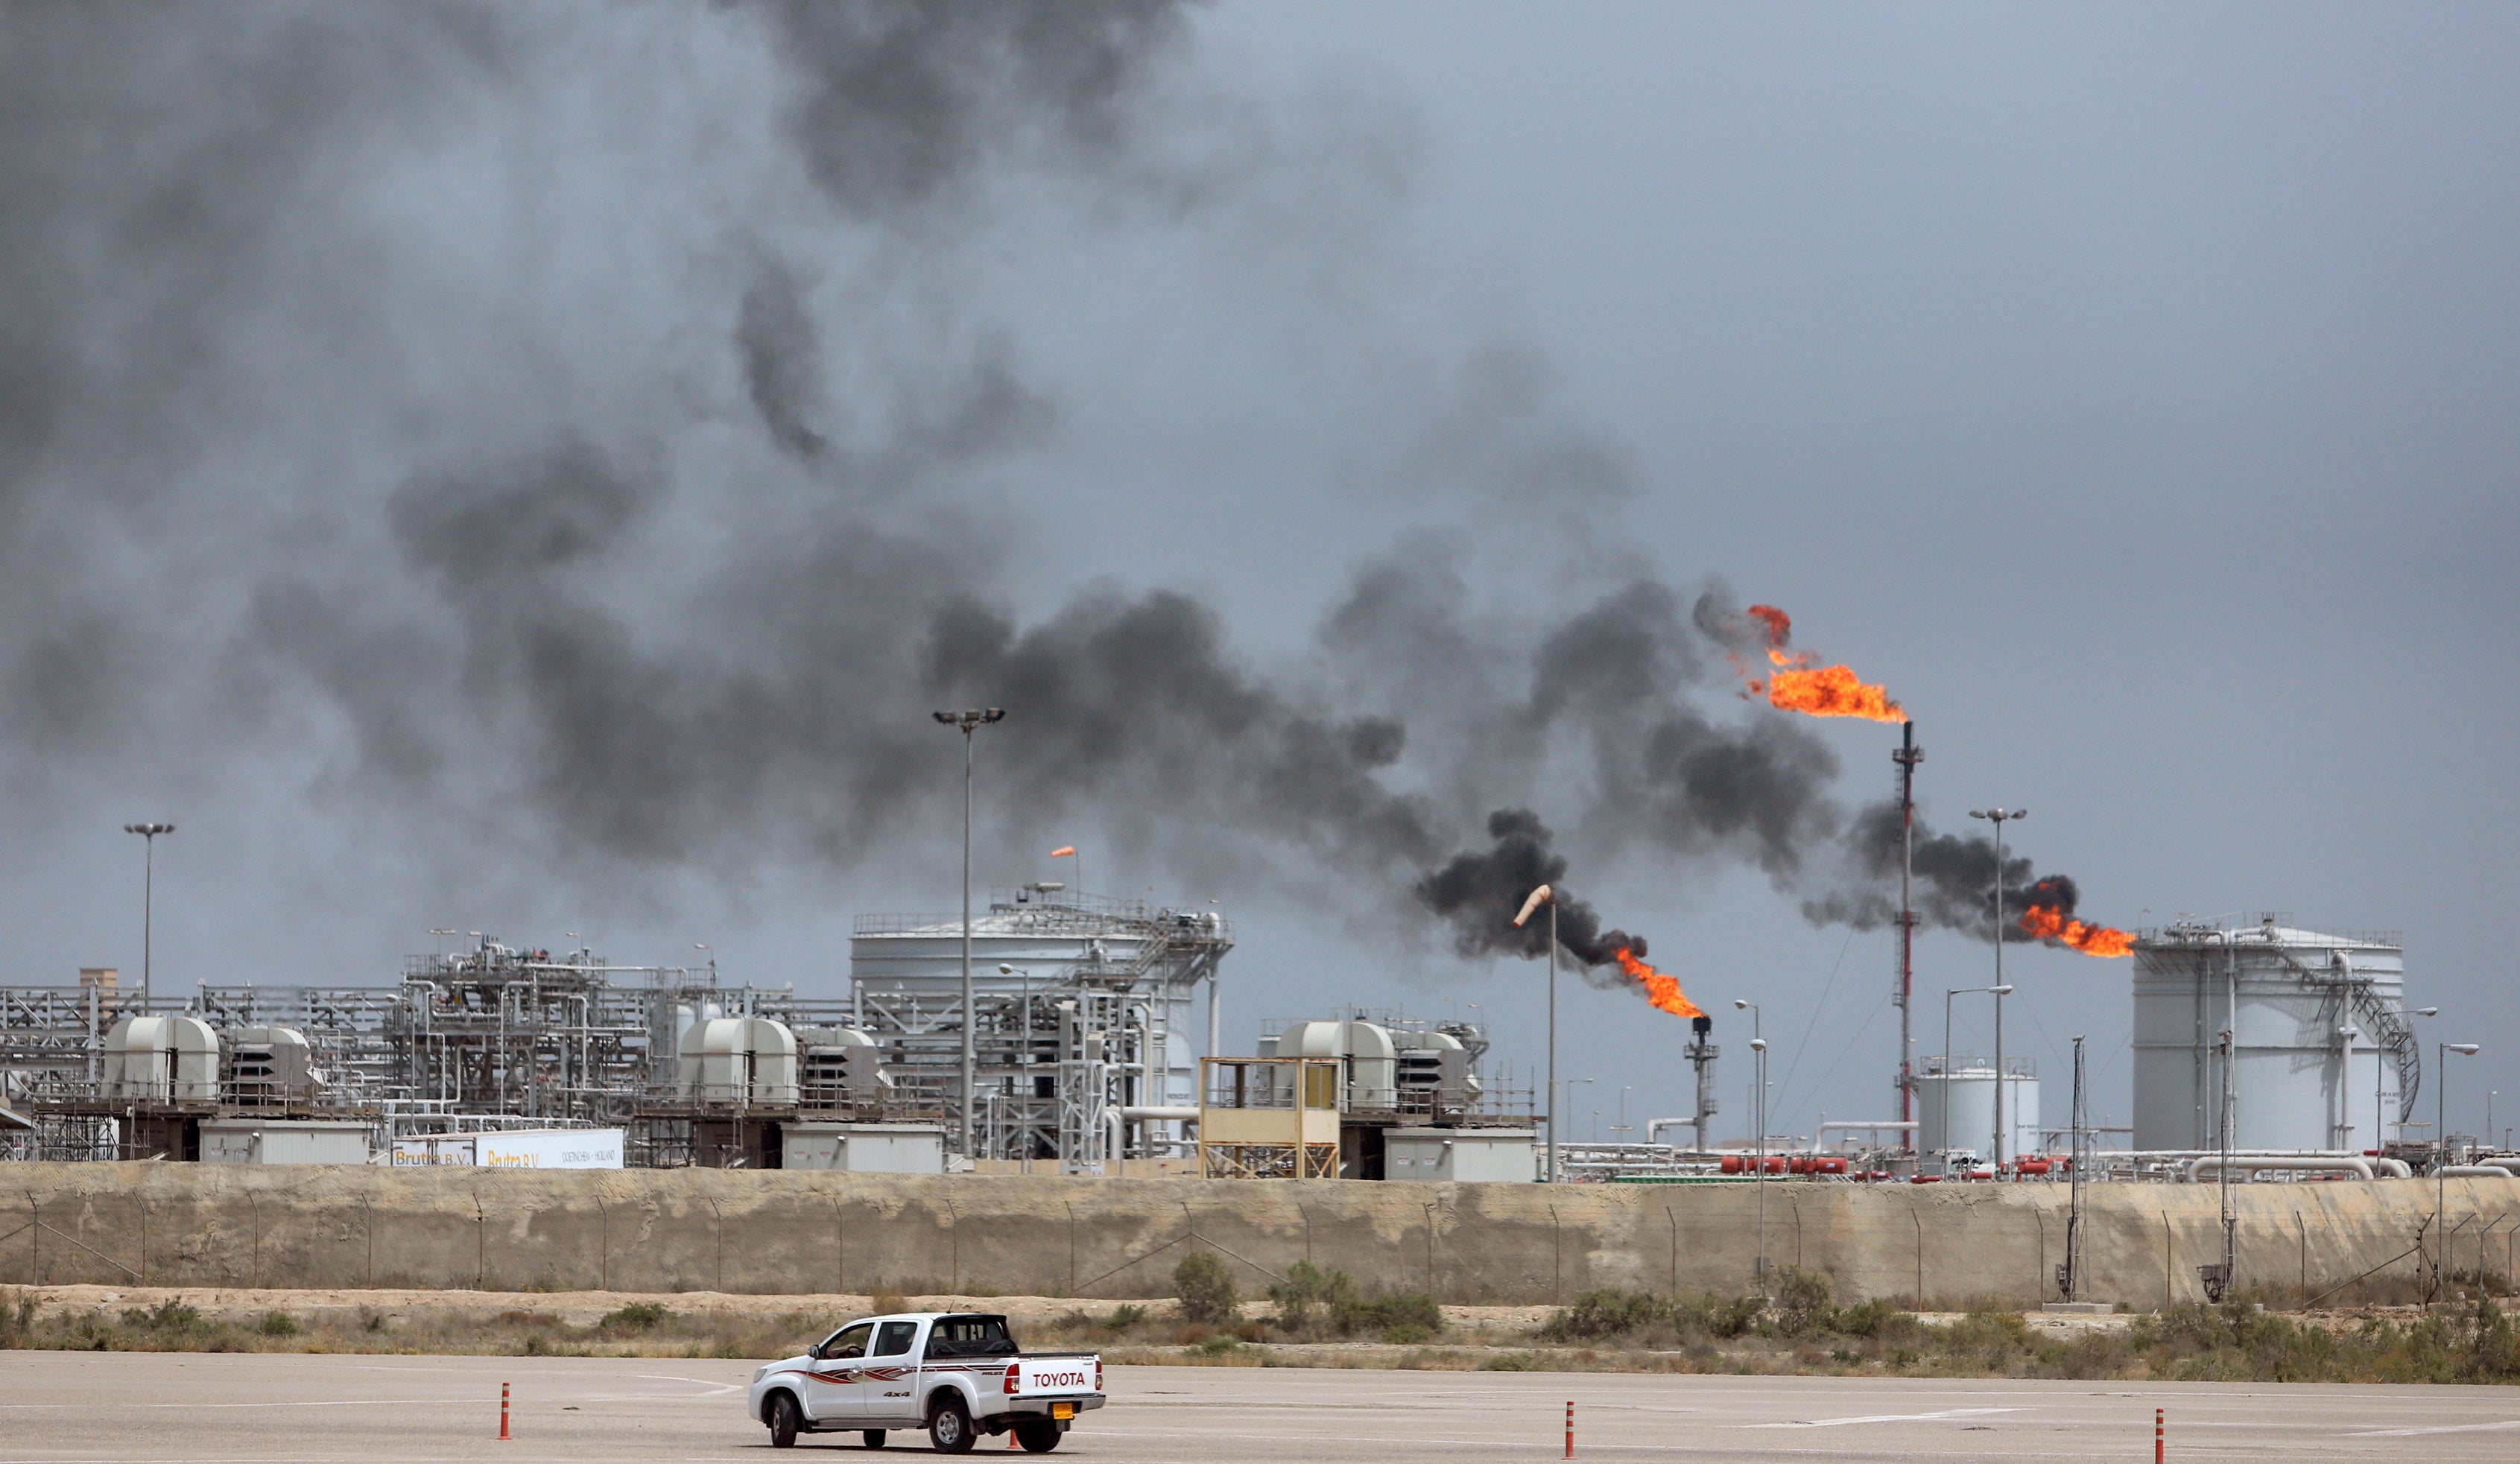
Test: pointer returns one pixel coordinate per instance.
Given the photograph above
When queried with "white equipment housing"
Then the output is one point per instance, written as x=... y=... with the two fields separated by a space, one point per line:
x=738 y=1062
x=161 y=1060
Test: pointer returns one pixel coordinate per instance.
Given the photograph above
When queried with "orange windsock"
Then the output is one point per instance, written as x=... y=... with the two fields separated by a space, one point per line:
x=1063 y=850
x=1660 y=990
x=2051 y=924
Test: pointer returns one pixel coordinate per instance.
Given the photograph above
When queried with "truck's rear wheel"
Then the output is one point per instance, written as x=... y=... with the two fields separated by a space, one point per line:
x=874 y=1438
x=949 y=1428
x=783 y=1421
x=1038 y=1435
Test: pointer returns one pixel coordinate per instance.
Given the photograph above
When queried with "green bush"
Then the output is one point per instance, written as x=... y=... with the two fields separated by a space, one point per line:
x=1606 y=1314
x=1872 y=1318
x=1399 y=1316
x=1122 y=1318
x=169 y=1315
x=1718 y=1316
x=1512 y=1362
x=1801 y=1301
x=1220 y=1344
x=1305 y=1287
x=638 y=1317
x=1206 y=1289
x=279 y=1324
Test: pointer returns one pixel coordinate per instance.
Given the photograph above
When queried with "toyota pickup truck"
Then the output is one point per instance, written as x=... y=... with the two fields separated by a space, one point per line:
x=957 y=1374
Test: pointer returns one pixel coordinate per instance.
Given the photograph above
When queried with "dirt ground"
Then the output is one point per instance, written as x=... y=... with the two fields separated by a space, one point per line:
x=584 y=1309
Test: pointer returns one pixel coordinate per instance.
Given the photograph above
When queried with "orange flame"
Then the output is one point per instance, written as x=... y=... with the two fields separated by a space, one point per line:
x=1799 y=686
x=2051 y=924
x=1660 y=990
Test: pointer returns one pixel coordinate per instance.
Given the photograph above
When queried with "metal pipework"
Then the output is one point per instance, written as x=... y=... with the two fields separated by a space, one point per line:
x=2223 y=1165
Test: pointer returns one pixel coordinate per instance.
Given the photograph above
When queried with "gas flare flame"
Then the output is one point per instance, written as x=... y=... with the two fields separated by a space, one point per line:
x=2049 y=924
x=1798 y=685
x=1660 y=990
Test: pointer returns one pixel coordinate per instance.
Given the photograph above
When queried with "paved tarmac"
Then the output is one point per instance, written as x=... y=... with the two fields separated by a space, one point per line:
x=299 y=1409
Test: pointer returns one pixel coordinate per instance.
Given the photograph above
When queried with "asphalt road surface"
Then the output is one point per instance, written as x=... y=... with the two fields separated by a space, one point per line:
x=297 y=1410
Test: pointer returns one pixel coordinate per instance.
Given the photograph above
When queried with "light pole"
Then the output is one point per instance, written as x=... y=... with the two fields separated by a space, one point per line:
x=149 y=834
x=1999 y=993
x=2079 y=1116
x=1997 y=816
x=2441 y=1156
x=1740 y=1003
x=1538 y=897
x=968 y=723
x=1569 y=1094
x=1759 y=1053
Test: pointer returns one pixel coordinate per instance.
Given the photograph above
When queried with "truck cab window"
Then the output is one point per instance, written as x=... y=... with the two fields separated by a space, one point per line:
x=895 y=1338
x=970 y=1336
x=849 y=1342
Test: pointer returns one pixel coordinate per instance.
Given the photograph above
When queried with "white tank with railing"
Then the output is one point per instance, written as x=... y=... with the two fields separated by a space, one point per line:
x=2324 y=1058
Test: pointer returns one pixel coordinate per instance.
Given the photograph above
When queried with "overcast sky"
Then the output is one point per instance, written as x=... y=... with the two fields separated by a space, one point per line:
x=533 y=471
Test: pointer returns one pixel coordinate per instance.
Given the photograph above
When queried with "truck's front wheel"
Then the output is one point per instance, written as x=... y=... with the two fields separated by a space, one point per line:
x=949 y=1428
x=1038 y=1435
x=783 y=1421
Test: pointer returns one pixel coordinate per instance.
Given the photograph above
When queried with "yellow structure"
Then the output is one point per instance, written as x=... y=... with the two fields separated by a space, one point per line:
x=1269 y=1117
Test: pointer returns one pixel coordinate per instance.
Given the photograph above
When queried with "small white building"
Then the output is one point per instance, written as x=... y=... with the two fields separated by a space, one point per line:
x=250 y=1140
x=1466 y=1156
x=863 y=1148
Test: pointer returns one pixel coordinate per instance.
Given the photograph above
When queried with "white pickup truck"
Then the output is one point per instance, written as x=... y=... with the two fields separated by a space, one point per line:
x=957 y=1374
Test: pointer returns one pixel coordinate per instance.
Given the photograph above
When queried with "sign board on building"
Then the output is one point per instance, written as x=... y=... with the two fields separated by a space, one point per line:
x=519 y=1148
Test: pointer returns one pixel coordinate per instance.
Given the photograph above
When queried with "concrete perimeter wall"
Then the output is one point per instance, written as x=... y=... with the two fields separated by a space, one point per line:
x=773 y=1232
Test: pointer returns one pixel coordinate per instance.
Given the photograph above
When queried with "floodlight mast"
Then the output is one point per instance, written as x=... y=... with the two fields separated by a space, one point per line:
x=1538 y=897
x=968 y=723
x=149 y=834
x=1997 y=816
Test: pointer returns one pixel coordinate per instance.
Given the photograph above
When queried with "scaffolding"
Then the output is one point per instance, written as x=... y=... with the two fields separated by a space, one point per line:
x=1081 y=1020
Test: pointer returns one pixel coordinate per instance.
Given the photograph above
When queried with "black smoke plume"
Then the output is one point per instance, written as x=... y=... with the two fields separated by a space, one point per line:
x=556 y=445
x=1479 y=893
x=1953 y=888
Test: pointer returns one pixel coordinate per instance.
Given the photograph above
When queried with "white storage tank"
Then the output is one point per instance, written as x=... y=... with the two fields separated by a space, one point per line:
x=735 y=1063
x=1956 y=1108
x=2322 y=1057
x=161 y=1060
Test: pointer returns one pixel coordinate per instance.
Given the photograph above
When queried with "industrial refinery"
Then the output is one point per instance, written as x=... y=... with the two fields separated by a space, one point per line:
x=1085 y=1033
x=1096 y=1048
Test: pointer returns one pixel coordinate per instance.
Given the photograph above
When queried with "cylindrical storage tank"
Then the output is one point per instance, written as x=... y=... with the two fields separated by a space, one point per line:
x=1956 y=1109
x=2312 y=1014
